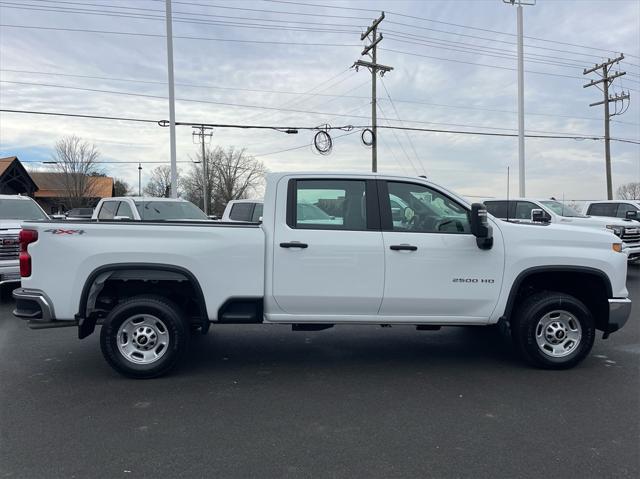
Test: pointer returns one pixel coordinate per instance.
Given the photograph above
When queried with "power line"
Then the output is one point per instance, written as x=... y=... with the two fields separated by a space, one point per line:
x=261 y=10
x=306 y=145
x=181 y=37
x=201 y=14
x=67 y=10
x=259 y=107
x=447 y=23
x=484 y=65
x=395 y=135
x=405 y=132
x=355 y=127
x=61 y=9
x=306 y=93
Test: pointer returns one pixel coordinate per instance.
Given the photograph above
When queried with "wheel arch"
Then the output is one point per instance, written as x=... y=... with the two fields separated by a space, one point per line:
x=596 y=282
x=154 y=271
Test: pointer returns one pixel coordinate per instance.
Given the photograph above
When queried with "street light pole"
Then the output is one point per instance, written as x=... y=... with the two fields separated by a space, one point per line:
x=139 y=179
x=521 y=163
x=521 y=185
x=172 y=103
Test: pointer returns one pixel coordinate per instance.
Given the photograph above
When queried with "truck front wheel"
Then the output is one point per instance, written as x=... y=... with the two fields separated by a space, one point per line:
x=553 y=330
x=144 y=337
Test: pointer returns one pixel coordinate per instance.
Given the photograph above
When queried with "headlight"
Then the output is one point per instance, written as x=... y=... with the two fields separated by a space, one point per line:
x=617 y=230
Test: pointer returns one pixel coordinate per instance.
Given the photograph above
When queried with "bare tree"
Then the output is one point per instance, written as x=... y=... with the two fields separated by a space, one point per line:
x=232 y=175
x=76 y=162
x=160 y=183
x=121 y=187
x=630 y=191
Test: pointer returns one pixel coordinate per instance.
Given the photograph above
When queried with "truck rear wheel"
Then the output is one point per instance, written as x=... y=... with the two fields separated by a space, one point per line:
x=553 y=330
x=144 y=337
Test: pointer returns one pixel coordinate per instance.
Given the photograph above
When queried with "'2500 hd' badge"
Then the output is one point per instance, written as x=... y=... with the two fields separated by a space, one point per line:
x=474 y=280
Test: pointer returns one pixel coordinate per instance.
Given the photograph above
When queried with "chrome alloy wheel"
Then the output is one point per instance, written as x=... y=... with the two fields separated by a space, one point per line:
x=558 y=333
x=143 y=339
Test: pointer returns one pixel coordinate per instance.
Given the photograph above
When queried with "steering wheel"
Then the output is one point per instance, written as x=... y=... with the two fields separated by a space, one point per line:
x=458 y=223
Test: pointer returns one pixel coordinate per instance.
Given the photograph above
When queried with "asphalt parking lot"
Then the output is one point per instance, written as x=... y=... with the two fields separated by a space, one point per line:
x=263 y=401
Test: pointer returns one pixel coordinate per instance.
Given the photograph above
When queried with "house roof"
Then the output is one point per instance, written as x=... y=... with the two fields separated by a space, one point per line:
x=50 y=185
x=6 y=162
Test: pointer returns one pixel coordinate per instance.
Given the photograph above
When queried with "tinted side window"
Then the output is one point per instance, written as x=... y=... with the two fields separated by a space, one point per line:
x=425 y=210
x=108 y=210
x=523 y=210
x=124 y=210
x=257 y=212
x=330 y=204
x=497 y=208
x=623 y=208
x=241 y=212
x=603 y=209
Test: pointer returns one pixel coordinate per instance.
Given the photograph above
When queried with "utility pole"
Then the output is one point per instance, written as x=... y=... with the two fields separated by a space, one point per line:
x=520 y=31
x=172 y=101
x=374 y=68
x=606 y=78
x=139 y=179
x=204 y=133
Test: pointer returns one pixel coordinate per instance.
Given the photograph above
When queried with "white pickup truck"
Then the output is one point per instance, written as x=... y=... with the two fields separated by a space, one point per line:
x=440 y=262
x=554 y=211
x=14 y=209
x=138 y=208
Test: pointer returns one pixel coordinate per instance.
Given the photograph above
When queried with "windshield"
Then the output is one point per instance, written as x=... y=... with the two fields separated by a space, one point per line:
x=20 y=210
x=561 y=209
x=169 y=210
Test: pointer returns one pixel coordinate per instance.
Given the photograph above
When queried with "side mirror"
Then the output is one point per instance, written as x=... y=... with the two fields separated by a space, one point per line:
x=480 y=226
x=119 y=218
x=631 y=215
x=539 y=216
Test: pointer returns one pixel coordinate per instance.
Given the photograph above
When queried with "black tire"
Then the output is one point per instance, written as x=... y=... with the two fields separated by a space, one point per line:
x=527 y=329
x=164 y=318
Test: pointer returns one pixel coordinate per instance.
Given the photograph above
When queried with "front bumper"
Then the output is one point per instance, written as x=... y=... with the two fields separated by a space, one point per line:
x=34 y=306
x=619 y=311
x=632 y=251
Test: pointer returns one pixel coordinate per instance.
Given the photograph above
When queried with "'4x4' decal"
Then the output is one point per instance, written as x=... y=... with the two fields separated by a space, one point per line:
x=61 y=231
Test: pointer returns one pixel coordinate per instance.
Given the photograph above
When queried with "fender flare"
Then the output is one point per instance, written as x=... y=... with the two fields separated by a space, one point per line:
x=87 y=323
x=515 y=287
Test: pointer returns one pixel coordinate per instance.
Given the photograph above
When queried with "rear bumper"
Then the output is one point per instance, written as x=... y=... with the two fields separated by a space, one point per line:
x=34 y=306
x=619 y=311
x=10 y=273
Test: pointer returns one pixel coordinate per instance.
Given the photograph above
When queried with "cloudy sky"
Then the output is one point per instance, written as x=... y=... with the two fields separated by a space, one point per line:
x=287 y=63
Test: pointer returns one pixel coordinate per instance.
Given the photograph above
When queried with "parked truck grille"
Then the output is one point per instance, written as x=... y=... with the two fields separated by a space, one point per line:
x=9 y=247
x=631 y=235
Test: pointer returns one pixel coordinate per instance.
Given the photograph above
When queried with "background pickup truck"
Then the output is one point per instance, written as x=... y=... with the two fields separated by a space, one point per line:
x=14 y=209
x=147 y=209
x=437 y=262
x=553 y=211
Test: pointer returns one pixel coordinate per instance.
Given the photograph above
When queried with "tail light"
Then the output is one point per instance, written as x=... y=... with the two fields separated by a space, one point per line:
x=26 y=237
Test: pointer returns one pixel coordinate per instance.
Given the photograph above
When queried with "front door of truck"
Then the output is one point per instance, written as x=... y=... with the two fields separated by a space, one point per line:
x=434 y=268
x=328 y=258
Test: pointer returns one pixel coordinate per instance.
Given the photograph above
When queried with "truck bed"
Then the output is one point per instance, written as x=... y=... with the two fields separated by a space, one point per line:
x=66 y=254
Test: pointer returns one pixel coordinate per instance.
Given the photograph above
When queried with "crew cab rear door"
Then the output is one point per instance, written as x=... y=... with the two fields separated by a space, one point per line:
x=328 y=258
x=434 y=268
